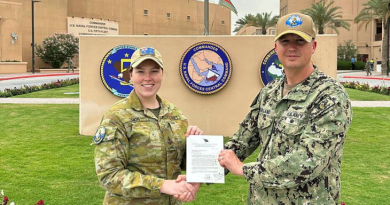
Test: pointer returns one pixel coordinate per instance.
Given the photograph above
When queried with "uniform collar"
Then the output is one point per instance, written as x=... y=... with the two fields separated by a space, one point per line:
x=136 y=104
x=300 y=91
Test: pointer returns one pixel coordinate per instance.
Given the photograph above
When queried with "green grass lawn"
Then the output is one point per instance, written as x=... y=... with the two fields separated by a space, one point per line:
x=42 y=156
x=359 y=95
x=53 y=93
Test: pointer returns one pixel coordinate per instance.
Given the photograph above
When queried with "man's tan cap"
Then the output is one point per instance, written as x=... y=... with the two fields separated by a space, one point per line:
x=296 y=23
x=145 y=53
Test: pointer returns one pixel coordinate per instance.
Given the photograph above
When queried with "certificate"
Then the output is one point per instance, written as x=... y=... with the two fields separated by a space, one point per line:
x=202 y=159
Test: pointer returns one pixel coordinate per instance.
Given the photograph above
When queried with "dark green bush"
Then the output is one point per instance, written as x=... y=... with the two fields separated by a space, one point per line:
x=347 y=65
x=359 y=65
x=344 y=65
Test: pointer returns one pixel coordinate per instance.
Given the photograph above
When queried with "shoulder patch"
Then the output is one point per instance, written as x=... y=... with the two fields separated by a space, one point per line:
x=100 y=134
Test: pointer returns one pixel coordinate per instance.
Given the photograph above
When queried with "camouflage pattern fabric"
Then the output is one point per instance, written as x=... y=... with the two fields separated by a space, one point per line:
x=301 y=137
x=139 y=151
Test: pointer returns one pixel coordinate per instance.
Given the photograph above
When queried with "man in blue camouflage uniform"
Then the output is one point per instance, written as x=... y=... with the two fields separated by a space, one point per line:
x=140 y=144
x=299 y=121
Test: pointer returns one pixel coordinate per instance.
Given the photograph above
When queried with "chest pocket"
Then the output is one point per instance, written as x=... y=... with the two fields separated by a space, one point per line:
x=145 y=143
x=288 y=134
x=290 y=126
x=264 y=122
x=176 y=140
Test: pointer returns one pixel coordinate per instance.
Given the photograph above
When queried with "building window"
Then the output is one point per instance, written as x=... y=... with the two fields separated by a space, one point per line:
x=146 y=12
x=168 y=15
x=337 y=24
x=272 y=31
x=258 y=31
x=188 y=18
x=223 y=22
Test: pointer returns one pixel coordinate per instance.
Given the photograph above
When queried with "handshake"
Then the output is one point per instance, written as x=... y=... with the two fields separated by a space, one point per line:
x=180 y=189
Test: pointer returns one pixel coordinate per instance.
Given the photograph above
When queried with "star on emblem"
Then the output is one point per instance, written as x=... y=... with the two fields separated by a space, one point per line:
x=109 y=61
x=126 y=55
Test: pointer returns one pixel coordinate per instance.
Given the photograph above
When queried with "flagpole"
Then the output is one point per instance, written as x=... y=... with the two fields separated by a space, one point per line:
x=206 y=18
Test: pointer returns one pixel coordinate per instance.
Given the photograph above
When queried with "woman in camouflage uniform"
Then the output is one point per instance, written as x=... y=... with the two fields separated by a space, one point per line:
x=140 y=144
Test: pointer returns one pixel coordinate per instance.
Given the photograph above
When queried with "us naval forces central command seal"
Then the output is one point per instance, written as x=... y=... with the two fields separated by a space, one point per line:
x=205 y=67
x=115 y=70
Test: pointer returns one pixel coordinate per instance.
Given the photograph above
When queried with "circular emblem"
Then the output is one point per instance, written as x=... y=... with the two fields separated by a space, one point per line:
x=205 y=67
x=100 y=134
x=271 y=68
x=294 y=21
x=115 y=70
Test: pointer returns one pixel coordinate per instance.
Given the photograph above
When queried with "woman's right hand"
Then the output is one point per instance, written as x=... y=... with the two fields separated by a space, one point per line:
x=193 y=130
x=171 y=187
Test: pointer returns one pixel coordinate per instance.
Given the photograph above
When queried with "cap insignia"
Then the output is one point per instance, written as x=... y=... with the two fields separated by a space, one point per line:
x=294 y=21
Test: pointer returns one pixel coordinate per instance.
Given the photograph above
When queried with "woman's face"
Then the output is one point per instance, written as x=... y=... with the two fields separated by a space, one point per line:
x=147 y=78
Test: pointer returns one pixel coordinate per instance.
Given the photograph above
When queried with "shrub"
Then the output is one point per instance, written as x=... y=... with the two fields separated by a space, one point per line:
x=344 y=65
x=363 y=87
x=57 y=48
x=359 y=65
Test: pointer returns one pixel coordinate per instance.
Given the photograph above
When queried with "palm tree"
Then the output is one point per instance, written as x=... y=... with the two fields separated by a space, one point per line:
x=243 y=21
x=325 y=15
x=264 y=21
x=377 y=10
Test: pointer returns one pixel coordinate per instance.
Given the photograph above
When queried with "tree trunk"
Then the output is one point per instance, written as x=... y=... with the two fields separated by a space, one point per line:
x=320 y=30
x=385 y=42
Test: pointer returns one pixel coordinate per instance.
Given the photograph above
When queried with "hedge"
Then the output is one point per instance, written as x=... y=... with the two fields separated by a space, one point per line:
x=346 y=65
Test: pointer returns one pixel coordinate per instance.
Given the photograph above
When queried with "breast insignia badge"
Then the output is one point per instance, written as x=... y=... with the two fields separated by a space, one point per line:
x=115 y=70
x=205 y=67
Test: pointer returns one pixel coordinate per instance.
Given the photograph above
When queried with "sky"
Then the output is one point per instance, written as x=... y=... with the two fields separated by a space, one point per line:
x=251 y=7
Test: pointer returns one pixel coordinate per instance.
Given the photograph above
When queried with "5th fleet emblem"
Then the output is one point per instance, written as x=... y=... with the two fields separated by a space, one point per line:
x=205 y=67
x=294 y=21
x=271 y=68
x=115 y=70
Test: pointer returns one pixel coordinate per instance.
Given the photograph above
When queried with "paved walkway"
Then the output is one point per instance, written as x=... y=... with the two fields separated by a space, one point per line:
x=376 y=79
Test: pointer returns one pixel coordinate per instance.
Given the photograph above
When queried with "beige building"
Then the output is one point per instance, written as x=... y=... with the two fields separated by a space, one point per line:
x=132 y=17
x=252 y=30
x=368 y=41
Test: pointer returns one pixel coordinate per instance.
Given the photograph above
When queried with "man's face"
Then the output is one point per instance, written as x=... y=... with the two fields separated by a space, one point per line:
x=294 y=52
